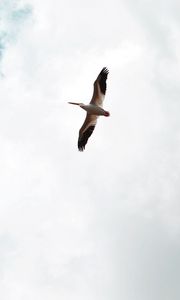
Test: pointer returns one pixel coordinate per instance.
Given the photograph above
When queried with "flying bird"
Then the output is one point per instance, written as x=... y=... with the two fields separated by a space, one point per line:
x=94 y=109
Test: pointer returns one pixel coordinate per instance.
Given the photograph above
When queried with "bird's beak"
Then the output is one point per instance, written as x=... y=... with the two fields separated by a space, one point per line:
x=74 y=103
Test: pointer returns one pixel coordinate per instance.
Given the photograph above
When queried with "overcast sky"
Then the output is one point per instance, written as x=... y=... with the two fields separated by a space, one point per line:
x=102 y=224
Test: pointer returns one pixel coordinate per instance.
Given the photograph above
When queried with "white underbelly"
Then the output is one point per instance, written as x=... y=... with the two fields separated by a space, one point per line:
x=94 y=110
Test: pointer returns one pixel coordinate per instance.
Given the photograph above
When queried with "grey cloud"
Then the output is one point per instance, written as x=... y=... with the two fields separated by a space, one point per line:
x=156 y=22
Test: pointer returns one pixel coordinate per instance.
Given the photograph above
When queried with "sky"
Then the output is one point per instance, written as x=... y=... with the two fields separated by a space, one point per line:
x=102 y=224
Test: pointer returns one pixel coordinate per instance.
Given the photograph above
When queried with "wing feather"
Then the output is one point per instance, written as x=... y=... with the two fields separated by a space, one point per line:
x=86 y=130
x=100 y=88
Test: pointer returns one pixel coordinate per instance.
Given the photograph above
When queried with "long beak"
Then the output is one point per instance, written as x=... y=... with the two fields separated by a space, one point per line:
x=74 y=103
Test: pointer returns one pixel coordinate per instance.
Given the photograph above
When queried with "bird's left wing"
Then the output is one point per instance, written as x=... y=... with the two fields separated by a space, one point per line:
x=86 y=130
x=100 y=88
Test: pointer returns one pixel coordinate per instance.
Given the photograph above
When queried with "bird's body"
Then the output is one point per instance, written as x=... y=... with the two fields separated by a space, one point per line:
x=93 y=109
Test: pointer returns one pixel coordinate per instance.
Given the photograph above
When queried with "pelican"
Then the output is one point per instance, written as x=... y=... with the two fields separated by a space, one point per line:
x=94 y=109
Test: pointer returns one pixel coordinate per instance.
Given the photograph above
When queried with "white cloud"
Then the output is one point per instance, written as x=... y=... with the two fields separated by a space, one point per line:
x=104 y=223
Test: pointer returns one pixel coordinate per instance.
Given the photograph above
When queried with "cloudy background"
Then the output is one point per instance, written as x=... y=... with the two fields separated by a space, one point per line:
x=102 y=224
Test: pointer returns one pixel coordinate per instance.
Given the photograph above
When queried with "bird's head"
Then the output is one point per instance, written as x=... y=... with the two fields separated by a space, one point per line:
x=76 y=103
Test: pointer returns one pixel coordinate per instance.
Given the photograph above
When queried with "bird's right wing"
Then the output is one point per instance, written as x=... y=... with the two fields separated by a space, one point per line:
x=86 y=130
x=100 y=88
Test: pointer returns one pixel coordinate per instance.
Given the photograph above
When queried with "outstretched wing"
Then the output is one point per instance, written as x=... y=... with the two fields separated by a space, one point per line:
x=100 y=88
x=86 y=131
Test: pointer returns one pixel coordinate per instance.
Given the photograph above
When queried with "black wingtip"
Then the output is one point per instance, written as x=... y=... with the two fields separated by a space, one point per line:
x=82 y=141
x=105 y=70
x=102 y=79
